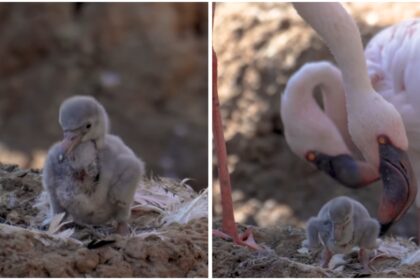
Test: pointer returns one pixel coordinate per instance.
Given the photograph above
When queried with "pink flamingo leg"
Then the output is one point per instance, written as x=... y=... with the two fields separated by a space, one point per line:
x=228 y=225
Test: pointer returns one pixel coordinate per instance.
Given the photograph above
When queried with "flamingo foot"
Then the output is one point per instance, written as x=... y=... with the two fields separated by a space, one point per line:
x=221 y=234
x=245 y=239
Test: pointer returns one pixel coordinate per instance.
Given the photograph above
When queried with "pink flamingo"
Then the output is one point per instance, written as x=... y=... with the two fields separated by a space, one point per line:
x=375 y=126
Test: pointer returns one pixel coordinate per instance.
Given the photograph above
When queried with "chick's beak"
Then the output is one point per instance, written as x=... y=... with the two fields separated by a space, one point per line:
x=399 y=183
x=70 y=141
x=337 y=232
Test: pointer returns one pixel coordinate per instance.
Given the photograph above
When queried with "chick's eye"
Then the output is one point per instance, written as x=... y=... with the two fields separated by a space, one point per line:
x=88 y=125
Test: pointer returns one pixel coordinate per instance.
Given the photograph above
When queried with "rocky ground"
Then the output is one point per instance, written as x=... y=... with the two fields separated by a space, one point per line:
x=154 y=249
x=259 y=45
x=145 y=62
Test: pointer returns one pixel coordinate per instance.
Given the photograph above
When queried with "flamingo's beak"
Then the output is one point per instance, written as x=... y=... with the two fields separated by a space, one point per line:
x=70 y=141
x=345 y=169
x=400 y=186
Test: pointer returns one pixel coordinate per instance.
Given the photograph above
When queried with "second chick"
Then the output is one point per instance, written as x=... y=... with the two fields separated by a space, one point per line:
x=341 y=224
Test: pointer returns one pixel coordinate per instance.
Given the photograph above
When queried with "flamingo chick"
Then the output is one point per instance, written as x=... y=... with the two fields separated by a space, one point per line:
x=341 y=224
x=91 y=175
x=375 y=126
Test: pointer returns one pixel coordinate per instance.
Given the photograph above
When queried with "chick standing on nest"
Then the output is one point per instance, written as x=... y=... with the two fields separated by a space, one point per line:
x=341 y=224
x=91 y=175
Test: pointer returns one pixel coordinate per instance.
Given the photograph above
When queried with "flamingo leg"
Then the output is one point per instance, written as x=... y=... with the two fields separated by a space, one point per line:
x=228 y=224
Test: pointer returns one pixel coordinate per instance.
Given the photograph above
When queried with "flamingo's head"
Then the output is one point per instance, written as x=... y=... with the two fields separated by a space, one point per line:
x=315 y=135
x=375 y=126
x=344 y=168
x=82 y=119
x=378 y=131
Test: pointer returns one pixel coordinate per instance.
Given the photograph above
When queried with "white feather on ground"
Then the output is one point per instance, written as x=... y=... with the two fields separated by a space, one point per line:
x=412 y=258
x=161 y=194
x=337 y=262
x=187 y=211
x=45 y=238
x=157 y=233
x=176 y=202
x=397 y=248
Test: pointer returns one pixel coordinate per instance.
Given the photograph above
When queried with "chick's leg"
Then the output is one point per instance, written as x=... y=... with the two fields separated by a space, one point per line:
x=128 y=174
x=326 y=257
x=123 y=228
x=55 y=205
x=368 y=241
x=364 y=259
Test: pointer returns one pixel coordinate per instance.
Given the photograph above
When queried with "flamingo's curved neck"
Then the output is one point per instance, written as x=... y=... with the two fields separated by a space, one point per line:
x=335 y=104
x=342 y=36
x=326 y=76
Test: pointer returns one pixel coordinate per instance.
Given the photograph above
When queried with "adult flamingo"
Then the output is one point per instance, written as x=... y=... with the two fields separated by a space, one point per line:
x=375 y=126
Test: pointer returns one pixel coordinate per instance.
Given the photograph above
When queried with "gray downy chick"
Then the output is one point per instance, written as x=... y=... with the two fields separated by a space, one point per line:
x=91 y=174
x=341 y=224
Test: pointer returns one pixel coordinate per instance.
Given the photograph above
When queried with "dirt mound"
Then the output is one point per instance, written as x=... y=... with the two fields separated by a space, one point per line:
x=282 y=258
x=259 y=46
x=152 y=250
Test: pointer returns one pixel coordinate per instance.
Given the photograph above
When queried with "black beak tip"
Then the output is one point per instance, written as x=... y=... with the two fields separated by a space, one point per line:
x=384 y=228
x=399 y=183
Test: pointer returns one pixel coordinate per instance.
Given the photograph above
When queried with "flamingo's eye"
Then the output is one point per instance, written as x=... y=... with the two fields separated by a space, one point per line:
x=310 y=156
x=382 y=139
x=89 y=125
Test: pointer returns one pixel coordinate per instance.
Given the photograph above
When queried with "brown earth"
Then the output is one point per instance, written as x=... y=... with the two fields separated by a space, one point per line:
x=259 y=45
x=146 y=63
x=281 y=258
x=175 y=250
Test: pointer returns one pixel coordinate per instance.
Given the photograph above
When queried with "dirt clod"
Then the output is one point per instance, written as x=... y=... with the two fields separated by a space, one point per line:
x=86 y=260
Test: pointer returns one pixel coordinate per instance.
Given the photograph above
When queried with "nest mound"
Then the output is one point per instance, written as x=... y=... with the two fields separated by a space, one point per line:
x=283 y=257
x=159 y=246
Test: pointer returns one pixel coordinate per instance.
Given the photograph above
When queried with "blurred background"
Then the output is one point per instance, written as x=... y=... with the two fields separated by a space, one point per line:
x=146 y=63
x=259 y=46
